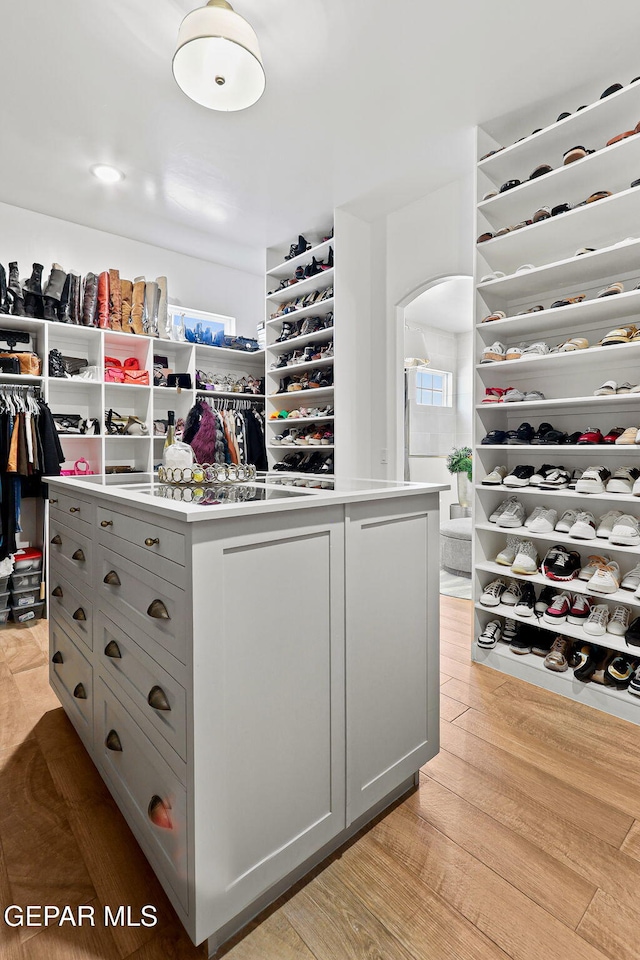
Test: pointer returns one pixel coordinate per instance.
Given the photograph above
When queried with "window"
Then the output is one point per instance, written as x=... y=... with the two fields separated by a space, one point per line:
x=433 y=388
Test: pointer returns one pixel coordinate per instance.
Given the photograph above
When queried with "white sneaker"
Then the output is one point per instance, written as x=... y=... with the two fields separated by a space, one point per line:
x=593 y=563
x=538 y=349
x=490 y=597
x=512 y=594
x=490 y=635
x=545 y=522
x=606 y=579
x=631 y=580
x=593 y=480
x=509 y=552
x=526 y=561
x=606 y=524
x=537 y=512
x=513 y=515
x=566 y=521
x=619 y=622
x=496 y=477
x=622 y=480
x=514 y=395
x=596 y=625
x=584 y=527
x=500 y=509
x=626 y=531
x=636 y=488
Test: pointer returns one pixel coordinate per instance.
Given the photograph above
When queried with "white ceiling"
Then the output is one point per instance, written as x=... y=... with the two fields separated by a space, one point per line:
x=446 y=306
x=360 y=93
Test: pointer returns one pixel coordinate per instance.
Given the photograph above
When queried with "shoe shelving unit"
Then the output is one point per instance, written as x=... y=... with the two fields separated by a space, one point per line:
x=567 y=380
x=279 y=269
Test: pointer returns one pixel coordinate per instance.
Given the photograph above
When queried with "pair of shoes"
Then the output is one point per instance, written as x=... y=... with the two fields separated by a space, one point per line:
x=519 y=554
x=611 y=388
x=510 y=395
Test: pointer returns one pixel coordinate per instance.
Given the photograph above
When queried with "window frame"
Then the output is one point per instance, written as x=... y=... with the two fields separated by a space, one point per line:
x=430 y=391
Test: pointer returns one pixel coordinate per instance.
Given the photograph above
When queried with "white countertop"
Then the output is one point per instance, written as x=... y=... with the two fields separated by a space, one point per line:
x=274 y=492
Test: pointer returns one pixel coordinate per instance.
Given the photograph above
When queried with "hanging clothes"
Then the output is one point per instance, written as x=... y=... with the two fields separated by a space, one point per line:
x=226 y=431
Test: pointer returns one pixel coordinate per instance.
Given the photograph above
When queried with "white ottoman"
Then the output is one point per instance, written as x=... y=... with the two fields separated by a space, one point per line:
x=455 y=546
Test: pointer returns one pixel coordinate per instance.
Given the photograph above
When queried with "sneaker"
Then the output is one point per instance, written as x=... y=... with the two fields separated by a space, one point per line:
x=558 y=611
x=558 y=657
x=561 y=564
x=632 y=635
x=495 y=478
x=580 y=609
x=490 y=635
x=607 y=389
x=511 y=628
x=513 y=515
x=519 y=476
x=623 y=480
x=619 y=622
x=636 y=488
x=538 y=511
x=540 y=474
x=566 y=521
x=626 y=531
x=496 y=351
x=618 y=672
x=521 y=642
x=523 y=435
x=538 y=349
x=605 y=658
x=628 y=437
x=513 y=395
x=557 y=479
x=584 y=527
x=545 y=522
x=575 y=476
x=606 y=579
x=587 y=656
x=541 y=644
x=501 y=508
x=593 y=480
x=606 y=524
x=596 y=625
x=526 y=560
x=512 y=594
x=544 y=600
x=593 y=562
x=631 y=580
x=490 y=596
x=525 y=605
x=591 y=435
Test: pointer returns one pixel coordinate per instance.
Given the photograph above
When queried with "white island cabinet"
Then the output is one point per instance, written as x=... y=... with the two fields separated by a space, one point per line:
x=255 y=675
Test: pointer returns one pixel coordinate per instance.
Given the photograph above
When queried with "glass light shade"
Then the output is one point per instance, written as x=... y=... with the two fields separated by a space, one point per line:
x=217 y=61
x=415 y=348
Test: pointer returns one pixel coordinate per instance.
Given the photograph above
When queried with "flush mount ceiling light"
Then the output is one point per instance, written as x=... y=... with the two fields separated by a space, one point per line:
x=106 y=173
x=415 y=348
x=217 y=61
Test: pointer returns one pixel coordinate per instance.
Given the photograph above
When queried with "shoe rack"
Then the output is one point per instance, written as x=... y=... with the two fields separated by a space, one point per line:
x=92 y=398
x=553 y=271
x=280 y=270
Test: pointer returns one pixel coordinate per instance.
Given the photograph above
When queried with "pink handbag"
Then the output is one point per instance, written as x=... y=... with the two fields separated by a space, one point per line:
x=81 y=468
x=114 y=375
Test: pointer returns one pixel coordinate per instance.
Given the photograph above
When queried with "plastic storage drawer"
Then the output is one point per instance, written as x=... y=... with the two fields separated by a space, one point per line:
x=20 y=581
x=25 y=614
x=24 y=598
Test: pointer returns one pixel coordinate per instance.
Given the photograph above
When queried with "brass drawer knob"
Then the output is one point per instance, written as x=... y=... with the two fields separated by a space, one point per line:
x=158 y=611
x=79 y=614
x=74 y=509
x=158 y=812
x=57 y=592
x=57 y=540
x=149 y=542
x=79 y=556
x=113 y=742
x=52 y=501
x=112 y=650
x=57 y=657
x=80 y=693
x=158 y=699
x=106 y=523
x=112 y=579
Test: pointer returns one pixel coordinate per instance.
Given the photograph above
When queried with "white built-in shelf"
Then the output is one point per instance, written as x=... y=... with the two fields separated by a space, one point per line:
x=127 y=386
x=593 y=450
x=320 y=281
x=319 y=309
x=315 y=392
x=295 y=420
x=30 y=324
x=301 y=367
x=126 y=436
x=621 y=401
x=288 y=267
x=24 y=378
x=252 y=356
x=571 y=586
x=295 y=343
x=74 y=381
x=604 y=311
x=230 y=395
x=597 y=545
x=301 y=446
x=592 y=356
x=584 y=499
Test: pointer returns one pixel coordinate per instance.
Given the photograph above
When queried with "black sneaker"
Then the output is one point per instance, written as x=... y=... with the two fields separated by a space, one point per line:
x=511 y=630
x=521 y=642
x=632 y=636
x=519 y=476
x=540 y=432
x=544 y=600
x=587 y=656
x=541 y=643
x=525 y=433
x=561 y=564
x=494 y=436
x=524 y=606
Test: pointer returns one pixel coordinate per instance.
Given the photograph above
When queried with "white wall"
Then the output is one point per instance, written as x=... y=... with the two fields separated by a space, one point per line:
x=26 y=236
x=433 y=429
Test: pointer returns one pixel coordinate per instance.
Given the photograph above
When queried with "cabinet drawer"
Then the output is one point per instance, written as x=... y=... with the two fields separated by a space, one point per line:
x=160 y=698
x=70 y=553
x=157 y=541
x=150 y=603
x=72 y=673
x=71 y=509
x=152 y=794
x=71 y=608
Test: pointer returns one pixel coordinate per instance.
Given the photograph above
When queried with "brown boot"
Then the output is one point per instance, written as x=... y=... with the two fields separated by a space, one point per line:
x=127 y=292
x=137 y=306
x=115 y=300
x=103 y=300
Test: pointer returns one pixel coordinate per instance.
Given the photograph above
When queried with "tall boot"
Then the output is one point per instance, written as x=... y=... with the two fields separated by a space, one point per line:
x=137 y=306
x=103 y=300
x=15 y=295
x=163 y=315
x=75 y=300
x=151 y=301
x=33 y=303
x=64 y=307
x=4 y=305
x=127 y=294
x=115 y=300
x=53 y=291
x=90 y=300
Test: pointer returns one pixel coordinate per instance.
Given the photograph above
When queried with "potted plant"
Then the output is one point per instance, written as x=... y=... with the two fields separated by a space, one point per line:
x=459 y=462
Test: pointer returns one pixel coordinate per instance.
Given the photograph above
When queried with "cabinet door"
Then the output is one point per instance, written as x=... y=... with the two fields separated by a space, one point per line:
x=268 y=702
x=392 y=645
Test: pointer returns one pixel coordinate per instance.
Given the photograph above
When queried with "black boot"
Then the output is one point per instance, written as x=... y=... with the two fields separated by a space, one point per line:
x=15 y=296
x=64 y=305
x=4 y=306
x=75 y=300
x=53 y=292
x=33 y=303
x=90 y=300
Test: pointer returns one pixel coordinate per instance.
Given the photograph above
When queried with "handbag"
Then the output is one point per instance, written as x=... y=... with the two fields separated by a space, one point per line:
x=81 y=468
x=114 y=375
x=30 y=363
x=9 y=340
x=74 y=365
x=180 y=380
x=68 y=423
x=9 y=365
x=138 y=377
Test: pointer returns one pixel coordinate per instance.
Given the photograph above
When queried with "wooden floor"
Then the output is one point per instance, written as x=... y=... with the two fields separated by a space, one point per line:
x=522 y=841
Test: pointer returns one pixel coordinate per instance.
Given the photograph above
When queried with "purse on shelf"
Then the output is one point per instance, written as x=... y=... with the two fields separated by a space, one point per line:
x=30 y=363
x=180 y=380
x=81 y=468
x=139 y=378
x=160 y=428
x=68 y=423
x=131 y=363
x=16 y=341
x=73 y=365
x=114 y=375
x=9 y=365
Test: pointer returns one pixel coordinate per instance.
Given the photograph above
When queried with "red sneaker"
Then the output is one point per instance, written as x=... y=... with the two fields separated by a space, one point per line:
x=591 y=435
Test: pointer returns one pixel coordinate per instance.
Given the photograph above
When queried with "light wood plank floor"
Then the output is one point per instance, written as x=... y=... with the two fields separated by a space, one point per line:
x=522 y=841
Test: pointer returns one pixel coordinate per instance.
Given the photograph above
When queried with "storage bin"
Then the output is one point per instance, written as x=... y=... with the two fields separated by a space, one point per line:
x=25 y=614
x=20 y=581
x=4 y=616
x=4 y=583
x=24 y=598
x=28 y=560
x=4 y=600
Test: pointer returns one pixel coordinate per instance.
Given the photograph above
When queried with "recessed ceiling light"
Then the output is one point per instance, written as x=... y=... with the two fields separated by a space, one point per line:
x=106 y=173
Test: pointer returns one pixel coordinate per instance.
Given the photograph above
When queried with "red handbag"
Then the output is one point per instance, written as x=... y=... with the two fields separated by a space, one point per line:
x=138 y=377
x=131 y=363
x=112 y=362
